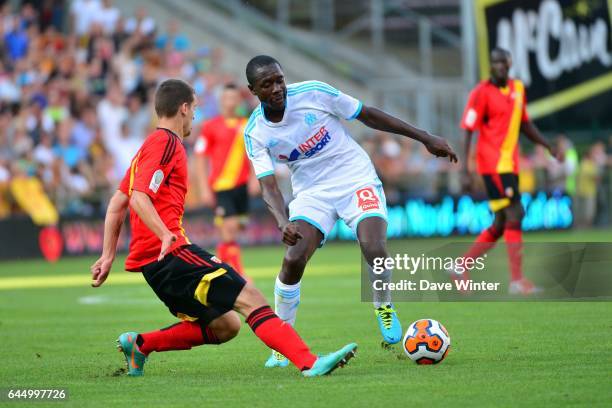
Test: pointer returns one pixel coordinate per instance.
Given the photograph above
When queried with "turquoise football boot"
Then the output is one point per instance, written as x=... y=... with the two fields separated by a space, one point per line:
x=276 y=360
x=389 y=325
x=327 y=364
x=126 y=343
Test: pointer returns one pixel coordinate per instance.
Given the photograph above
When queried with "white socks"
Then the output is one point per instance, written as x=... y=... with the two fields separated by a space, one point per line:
x=381 y=297
x=286 y=300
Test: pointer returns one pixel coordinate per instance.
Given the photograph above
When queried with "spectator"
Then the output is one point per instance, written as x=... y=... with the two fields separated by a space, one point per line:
x=57 y=110
x=9 y=91
x=17 y=41
x=141 y=24
x=570 y=163
x=125 y=65
x=588 y=179
x=22 y=144
x=51 y=15
x=601 y=161
x=173 y=39
x=140 y=117
x=111 y=114
x=65 y=149
x=527 y=177
x=84 y=130
x=123 y=150
x=44 y=153
x=35 y=122
x=5 y=177
x=84 y=14
x=108 y=17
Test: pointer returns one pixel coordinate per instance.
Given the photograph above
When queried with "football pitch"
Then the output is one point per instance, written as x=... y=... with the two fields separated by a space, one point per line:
x=57 y=332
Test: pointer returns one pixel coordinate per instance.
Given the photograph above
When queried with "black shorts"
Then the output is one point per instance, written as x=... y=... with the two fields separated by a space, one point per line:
x=502 y=189
x=232 y=202
x=194 y=284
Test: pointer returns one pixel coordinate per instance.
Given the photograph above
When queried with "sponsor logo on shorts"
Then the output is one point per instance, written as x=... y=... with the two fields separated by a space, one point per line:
x=509 y=192
x=367 y=199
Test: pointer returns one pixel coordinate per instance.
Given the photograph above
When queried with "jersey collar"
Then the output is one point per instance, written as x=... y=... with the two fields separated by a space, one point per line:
x=168 y=130
x=283 y=121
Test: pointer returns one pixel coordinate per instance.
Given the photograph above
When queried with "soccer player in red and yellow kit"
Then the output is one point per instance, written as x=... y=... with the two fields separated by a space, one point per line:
x=224 y=173
x=497 y=110
x=198 y=288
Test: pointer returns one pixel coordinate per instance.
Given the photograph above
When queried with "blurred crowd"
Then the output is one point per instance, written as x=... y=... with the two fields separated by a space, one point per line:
x=76 y=85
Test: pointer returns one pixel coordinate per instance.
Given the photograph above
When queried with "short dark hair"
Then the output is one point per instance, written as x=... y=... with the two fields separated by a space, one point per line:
x=256 y=63
x=170 y=95
x=501 y=50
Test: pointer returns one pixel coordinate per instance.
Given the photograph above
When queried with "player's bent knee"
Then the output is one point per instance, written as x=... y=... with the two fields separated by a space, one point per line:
x=249 y=299
x=372 y=250
x=226 y=327
x=295 y=261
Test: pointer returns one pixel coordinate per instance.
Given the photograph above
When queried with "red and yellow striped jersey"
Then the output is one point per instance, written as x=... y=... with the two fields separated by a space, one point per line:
x=222 y=141
x=159 y=170
x=496 y=113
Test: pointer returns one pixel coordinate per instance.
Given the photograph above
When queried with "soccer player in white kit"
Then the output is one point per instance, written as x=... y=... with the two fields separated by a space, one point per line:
x=331 y=175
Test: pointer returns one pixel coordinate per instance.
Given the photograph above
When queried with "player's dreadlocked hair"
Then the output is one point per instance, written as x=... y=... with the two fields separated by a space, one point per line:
x=256 y=63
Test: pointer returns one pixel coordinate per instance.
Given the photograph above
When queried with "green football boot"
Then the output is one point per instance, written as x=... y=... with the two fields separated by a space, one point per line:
x=126 y=343
x=327 y=364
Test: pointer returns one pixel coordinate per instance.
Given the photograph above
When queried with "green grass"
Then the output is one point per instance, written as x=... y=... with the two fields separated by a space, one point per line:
x=503 y=354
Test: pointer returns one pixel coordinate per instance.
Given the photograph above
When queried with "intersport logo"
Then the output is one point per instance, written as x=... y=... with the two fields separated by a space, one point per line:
x=310 y=147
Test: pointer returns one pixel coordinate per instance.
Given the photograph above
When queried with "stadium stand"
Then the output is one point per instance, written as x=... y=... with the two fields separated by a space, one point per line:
x=76 y=80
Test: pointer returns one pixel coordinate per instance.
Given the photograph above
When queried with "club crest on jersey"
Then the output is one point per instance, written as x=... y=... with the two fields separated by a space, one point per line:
x=310 y=119
x=367 y=199
x=156 y=180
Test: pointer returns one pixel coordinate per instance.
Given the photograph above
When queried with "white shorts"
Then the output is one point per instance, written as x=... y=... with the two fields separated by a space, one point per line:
x=322 y=208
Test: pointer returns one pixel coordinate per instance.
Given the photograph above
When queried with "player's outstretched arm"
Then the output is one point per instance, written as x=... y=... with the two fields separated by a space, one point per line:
x=535 y=136
x=377 y=119
x=273 y=198
x=142 y=204
x=115 y=215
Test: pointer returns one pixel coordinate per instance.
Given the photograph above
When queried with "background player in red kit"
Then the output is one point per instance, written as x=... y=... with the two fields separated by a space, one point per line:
x=195 y=286
x=497 y=110
x=224 y=173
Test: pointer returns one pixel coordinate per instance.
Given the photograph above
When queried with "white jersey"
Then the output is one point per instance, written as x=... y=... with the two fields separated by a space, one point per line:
x=311 y=140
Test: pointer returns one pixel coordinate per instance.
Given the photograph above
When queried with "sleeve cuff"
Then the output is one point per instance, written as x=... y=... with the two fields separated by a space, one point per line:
x=357 y=112
x=265 y=173
x=146 y=191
